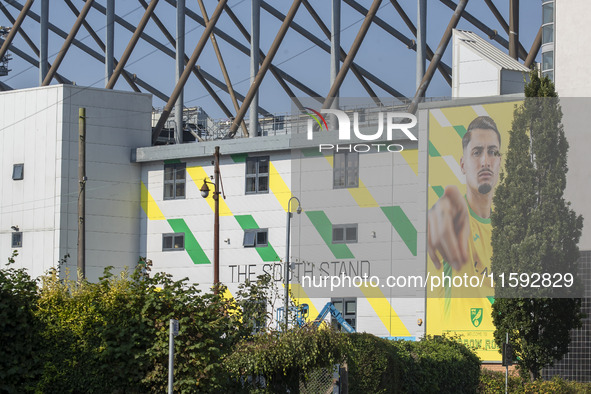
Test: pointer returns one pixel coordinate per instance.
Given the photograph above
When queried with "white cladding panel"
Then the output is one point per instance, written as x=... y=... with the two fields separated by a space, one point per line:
x=40 y=129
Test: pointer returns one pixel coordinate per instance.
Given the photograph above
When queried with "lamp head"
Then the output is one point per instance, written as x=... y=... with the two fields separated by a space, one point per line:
x=15 y=228
x=299 y=210
x=204 y=189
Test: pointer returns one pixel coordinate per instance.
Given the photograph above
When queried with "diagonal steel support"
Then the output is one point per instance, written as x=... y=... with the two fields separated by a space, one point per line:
x=102 y=45
x=326 y=48
x=87 y=50
x=279 y=75
x=342 y=53
x=504 y=25
x=60 y=78
x=185 y=75
x=134 y=39
x=62 y=53
x=437 y=57
x=352 y=53
x=492 y=34
x=218 y=54
x=265 y=66
x=535 y=48
x=18 y=22
x=443 y=68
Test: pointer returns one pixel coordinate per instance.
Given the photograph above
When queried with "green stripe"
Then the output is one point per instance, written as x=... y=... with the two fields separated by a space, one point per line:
x=461 y=130
x=432 y=151
x=403 y=227
x=239 y=157
x=267 y=253
x=324 y=227
x=172 y=161
x=191 y=245
x=439 y=190
x=491 y=299
x=474 y=215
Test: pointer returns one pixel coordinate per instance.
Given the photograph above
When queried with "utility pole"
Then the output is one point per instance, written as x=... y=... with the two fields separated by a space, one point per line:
x=216 y=223
x=81 y=193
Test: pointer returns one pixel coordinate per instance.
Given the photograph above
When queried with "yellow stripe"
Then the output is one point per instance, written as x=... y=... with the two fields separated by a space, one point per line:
x=411 y=156
x=198 y=174
x=441 y=174
x=278 y=187
x=459 y=116
x=385 y=312
x=149 y=205
x=300 y=297
x=360 y=194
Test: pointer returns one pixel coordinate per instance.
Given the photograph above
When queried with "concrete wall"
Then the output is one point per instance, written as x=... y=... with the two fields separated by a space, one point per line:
x=40 y=128
x=571 y=56
x=472 y=76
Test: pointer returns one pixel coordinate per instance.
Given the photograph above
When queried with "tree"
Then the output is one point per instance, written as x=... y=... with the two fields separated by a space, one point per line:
x=535 y=231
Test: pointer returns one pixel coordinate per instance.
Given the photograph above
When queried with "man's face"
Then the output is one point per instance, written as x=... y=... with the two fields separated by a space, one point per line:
x=482 y=161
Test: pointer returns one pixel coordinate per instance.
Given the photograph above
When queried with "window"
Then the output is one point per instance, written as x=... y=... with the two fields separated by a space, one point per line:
x=548 y=34
x=174 y=181
x=255 y=238
x=547 y=13
x=17 y=239
x=174 y=241
x=348 y=308
x=18 y=172
x=257 y=175
x=344 y=233
x=346 y=170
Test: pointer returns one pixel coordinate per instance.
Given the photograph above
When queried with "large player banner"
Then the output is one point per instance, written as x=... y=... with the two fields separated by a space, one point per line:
x=466 y=148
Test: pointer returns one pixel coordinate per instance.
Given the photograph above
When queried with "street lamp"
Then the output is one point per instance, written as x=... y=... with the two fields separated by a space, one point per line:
x=286 y=279
x=216 y=224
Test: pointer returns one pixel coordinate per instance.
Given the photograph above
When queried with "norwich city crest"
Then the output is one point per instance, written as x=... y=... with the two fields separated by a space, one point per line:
x=476 y=316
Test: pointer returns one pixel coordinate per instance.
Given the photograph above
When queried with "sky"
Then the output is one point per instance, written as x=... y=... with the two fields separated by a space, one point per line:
x=380 y=53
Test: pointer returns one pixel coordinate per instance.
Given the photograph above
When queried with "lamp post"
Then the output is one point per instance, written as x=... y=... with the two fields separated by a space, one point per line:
x=286 y=278
x=216 y=224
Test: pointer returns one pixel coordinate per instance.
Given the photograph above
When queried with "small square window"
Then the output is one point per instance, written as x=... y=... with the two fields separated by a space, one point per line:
x=17 y=239
x=18 y=172
x=349 y=312
x=344 y=233
x=257 y=237
x=174 y=241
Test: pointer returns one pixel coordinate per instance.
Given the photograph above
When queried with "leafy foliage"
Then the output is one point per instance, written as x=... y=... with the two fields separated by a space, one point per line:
x=432 y=365
x=283 y=359
x=18 y=329
x=535 y=231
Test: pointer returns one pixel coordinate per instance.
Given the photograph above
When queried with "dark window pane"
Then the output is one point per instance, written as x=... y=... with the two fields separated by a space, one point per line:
x=168 y=173
x=251 y=185
x=351 y=234
x=547 y=60
x=549 y=74
x=17 y=172
x=179 y=242
x=249 y=238
x=167 y=242
x=180 y=190
x=180 y=173
x=263 y=184
x=262 y=238
x=168 y=190
x=338 y=305
x=338 y=234
x=548 y=13
x=350 y=307
x=17 y=240
x=547 y=34
x=251 y=166
x=264 y=166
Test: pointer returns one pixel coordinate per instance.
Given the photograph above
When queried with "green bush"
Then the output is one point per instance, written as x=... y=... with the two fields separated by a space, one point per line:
x=492 y=382
x=283 y=359
x=19 y=330
x=428 y=366
x=375 y=365
x=556 y=385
